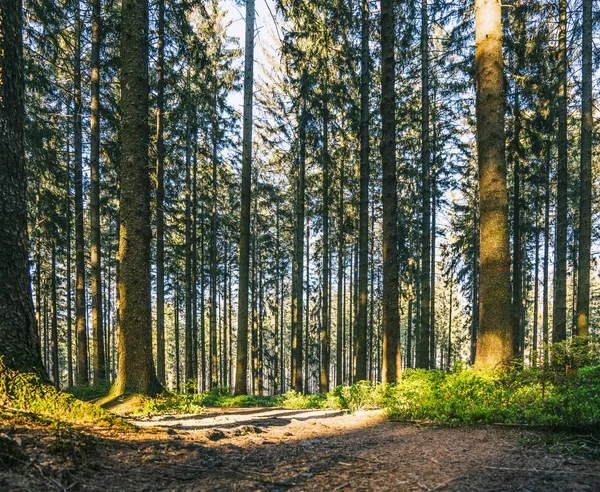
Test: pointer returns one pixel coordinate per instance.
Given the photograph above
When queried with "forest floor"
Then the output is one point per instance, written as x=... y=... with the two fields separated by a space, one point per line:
x=274 y=449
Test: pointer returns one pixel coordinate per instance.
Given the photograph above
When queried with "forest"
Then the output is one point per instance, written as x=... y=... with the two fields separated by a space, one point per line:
x=357 y=213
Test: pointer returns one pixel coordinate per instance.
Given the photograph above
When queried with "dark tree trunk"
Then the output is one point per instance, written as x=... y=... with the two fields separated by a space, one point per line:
x=19 y=342
x=80 y=323
x=363 y=228
x=95 y=245
x=136 y=364
x=559 y=312
x=424 y=328
x=160 y=198
x=391 y=323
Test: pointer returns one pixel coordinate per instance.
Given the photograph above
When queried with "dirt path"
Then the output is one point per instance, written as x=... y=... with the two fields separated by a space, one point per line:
x=280 y=449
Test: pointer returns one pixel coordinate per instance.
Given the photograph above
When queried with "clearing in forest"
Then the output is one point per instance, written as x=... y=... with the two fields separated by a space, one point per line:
x=280 y=449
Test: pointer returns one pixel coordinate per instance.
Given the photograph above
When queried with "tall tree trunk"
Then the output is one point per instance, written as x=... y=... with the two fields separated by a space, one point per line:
x=298 y=256
x=194 y=218
x=424 y=328
x=307 y=311
x=363 y=228
x=518 y=337
x=68 y=266
x=202 y=304
x=494 y=340
x=582 y=327
x=224 y=350
x=277 y=306
x=536 y=281
x=136 y=364
x=475 y=289
x=325 y=328
x=213 y=262
x=391 y=322
x=559 y=312
x=190 y=376
x=160 y=198
x=241 y=385
x=254 y=305
x=545 y=291
x=82 y=342
x=95 y=245
x=340 y=332
x=449 y=356
x=54 y=334
x=176 y=326
x=261 y=317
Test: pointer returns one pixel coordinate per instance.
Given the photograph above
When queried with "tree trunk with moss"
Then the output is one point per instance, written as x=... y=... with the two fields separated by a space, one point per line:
x=136 y=364
x=494 y=340
x=19 y=342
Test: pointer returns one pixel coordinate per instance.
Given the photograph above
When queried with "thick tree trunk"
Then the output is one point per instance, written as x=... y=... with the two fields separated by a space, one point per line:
x=68 y=266
x=136 y=364
x=241 y=385
x=559 y=312
x=582 y=327
x=19 y=338
x=190 y=376
x=423 y=350
x=495 y=338
x=95 y=245
x=518 y=336
x=391 y=323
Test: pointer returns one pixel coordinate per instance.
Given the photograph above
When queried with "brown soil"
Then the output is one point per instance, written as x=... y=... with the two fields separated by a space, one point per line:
x=280 y=449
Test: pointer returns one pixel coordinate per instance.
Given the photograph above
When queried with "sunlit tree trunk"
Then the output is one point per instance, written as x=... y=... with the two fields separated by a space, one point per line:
x=340 y=333
x=582 y=326
x=241 y=375
x=495 y=338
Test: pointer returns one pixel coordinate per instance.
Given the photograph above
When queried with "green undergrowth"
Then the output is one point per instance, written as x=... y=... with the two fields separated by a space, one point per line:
x=563 y=394
x=26 y=393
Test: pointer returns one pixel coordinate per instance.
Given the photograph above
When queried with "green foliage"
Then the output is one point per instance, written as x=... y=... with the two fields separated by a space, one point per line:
x=530 y=397
x=26 y=392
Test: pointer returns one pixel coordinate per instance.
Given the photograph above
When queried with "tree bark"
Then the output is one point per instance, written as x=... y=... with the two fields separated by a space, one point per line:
x=559 y=311
x=80 y=323
x=582 y=327
x=495 y=338
x=391 y=323
x=95 y=244
x=160 y=198
x=136 y=364
x=241 y=385
x=424 y=328
x=363 y=228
